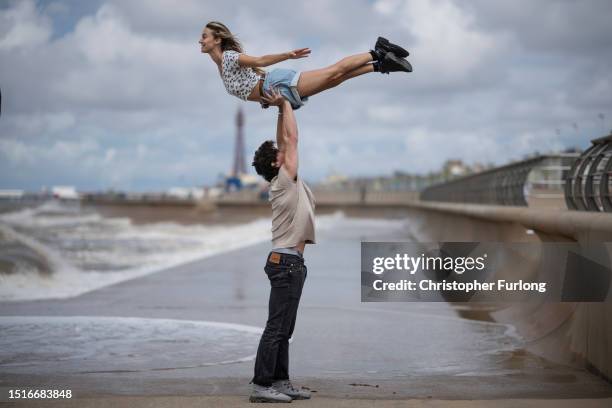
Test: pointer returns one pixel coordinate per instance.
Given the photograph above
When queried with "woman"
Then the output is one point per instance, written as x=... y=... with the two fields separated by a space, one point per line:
x=244 y=77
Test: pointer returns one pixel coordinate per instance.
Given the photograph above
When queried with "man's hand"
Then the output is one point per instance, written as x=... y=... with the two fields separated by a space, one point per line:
x=299 y=53
x=273 y=98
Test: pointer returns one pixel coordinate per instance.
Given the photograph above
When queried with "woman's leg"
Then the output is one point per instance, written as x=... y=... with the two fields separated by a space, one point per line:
x=364 y=69
x=313 y=82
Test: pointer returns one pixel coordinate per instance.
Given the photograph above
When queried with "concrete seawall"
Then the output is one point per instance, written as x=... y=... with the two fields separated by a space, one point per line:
x=578 y=334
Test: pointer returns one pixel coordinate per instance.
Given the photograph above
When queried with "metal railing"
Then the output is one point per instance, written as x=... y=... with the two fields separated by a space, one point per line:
x=507 y=185
x=587 y=187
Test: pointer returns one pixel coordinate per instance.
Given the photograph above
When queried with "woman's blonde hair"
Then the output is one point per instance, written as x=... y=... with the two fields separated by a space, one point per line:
x=228 y=40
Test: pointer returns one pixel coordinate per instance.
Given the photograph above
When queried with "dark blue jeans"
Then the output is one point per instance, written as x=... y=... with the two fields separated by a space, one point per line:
x=287 y=274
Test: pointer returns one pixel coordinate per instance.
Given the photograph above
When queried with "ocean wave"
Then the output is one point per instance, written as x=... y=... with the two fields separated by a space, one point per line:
x=58 y=251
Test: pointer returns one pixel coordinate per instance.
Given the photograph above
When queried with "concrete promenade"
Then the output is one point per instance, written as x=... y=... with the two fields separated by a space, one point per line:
x=347 y=352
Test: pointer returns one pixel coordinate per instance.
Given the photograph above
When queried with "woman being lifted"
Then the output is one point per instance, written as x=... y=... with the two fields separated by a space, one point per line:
x=244 y=77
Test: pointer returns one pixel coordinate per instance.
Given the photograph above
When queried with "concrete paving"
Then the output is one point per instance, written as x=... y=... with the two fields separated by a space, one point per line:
x=373 y=354
x=235 y=401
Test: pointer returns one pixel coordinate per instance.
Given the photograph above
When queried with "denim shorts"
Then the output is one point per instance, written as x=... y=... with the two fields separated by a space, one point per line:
x=285 y=80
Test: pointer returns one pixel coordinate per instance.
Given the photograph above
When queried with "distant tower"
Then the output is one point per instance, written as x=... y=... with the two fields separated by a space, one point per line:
x=239 y=164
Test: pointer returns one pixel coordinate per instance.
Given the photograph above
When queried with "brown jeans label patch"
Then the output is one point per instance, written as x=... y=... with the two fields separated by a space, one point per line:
x=274 y=257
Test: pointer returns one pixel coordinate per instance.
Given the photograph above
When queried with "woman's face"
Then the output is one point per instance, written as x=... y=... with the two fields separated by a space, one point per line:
x=208 y=41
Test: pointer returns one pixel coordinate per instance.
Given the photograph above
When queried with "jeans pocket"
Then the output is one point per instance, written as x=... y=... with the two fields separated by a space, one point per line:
x=278 y=276
x=297 y=276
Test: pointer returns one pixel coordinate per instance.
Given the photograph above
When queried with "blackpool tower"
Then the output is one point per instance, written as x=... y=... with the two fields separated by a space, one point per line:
x=239 y=167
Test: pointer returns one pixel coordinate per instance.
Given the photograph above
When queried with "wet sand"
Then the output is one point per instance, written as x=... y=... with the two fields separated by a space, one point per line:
x=342 y=348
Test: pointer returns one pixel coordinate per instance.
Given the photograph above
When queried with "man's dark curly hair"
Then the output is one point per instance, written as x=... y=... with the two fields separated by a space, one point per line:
x=263 y=159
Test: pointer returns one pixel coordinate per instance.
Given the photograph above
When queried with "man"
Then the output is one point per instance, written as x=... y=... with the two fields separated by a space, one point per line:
x=292 y=228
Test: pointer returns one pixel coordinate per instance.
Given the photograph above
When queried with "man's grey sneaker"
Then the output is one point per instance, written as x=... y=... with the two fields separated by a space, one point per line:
x=267 y=394
x=287 y=388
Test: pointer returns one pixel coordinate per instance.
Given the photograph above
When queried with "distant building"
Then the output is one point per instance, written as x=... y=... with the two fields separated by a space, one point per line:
x=402 y=181
x=186 y=192
x=64 y=192
x=12 y=194
x=455 y=168
x=479 y=167
x=335 y=178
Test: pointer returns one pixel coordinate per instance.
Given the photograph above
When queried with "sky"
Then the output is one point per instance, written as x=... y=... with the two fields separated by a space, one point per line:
x=115 y=94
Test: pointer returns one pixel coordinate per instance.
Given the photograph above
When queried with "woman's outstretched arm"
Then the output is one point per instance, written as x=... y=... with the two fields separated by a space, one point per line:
x=271 y=59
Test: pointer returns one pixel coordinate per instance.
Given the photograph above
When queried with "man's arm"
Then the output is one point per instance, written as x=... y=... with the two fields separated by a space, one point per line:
x=280 y=130
x=286 y=131
x=290 y=136
x=274 y=98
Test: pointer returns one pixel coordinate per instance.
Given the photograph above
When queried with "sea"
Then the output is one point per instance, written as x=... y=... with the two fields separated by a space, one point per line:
x=59 y=249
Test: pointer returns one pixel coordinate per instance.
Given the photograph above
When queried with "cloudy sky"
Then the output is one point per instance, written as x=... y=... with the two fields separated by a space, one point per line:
x=116 y=94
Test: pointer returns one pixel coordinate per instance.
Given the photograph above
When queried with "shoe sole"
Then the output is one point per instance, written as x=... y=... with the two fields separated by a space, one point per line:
x=401 y=62
x=267 y=400
x=408 y=66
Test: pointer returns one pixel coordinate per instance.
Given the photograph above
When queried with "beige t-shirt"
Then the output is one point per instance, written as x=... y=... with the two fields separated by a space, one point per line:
x=292 y=211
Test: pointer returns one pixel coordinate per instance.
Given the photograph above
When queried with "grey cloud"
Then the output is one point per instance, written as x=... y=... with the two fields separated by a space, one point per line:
x=560 y=26
x=491 y=79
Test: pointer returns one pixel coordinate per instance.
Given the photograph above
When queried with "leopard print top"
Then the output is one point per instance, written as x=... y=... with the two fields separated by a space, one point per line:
x=239 y=81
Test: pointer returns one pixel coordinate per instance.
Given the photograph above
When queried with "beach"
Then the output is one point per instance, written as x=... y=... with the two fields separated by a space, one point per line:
x=187 y=335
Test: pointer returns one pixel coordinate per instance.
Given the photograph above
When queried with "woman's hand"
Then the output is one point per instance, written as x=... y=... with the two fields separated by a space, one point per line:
x=273 y=97
x=299 y=53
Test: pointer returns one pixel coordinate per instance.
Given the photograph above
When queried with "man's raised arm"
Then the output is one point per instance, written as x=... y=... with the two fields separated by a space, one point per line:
x=286 y=131
x=280 y=130
x=290 y=136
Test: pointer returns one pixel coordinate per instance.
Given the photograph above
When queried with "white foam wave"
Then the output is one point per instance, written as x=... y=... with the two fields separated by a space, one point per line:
x=52 y=258
x=153 y=247
x=31 y=218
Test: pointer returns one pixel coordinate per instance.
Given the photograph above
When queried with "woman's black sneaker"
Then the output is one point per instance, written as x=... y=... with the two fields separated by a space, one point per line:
x=392 y=63
x=383 y=46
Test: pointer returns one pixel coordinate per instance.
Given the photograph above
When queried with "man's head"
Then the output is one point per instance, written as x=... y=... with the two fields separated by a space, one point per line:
x=267 y=160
